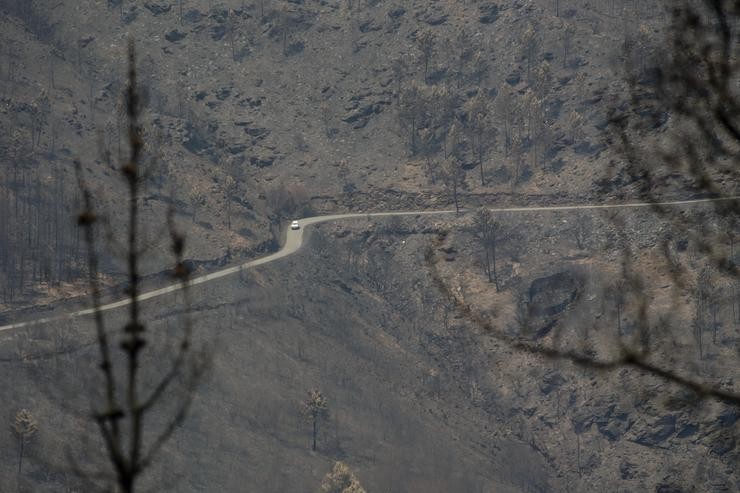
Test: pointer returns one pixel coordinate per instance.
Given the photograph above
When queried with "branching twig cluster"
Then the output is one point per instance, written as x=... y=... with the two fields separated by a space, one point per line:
x=127 y=402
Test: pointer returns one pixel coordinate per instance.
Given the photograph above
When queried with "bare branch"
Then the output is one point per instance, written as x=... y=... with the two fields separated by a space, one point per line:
x=122 y=425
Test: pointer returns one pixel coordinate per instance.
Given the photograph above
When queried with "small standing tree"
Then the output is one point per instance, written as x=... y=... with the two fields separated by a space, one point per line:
x=410 y=112
x=453 y=177
x=517 y=158
x=24 y=427
x=197 y=199
x=315 y=409
x=464 y=47
x=575 y=122
x=568 y=33
x=40 y=109
x=503 y=109
x=286 y=201
x=230 y=189
x=702 y=309
x=286 y=24
x=479 y=68
x=232 y=25
x=341 y=479
x=477 y=111
x=488 y=231
x=428 y=150
x=716 y=300
x=531 y=43
x=582 y=229
x=426 y=44
x=399 y=69
x=618 y=295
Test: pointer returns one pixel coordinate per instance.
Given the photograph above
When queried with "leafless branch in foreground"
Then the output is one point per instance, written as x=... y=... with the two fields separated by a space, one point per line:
x=128 y=400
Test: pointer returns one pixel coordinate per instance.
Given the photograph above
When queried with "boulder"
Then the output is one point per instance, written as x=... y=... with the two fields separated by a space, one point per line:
x=668 y=488
x=174 y=36
x=688 y=430
x=614 y=425
x=218 y=32
x=551 y=295
x=489 y=13
x=396 y=12
x=157 y=8
x=193 y=16
x=663 y=429
x=627 y=470
x=360 y=116
x=551 y=381
x=262 y=161
x=513 y=78
x=369 y=26
x=433 y=17
x=722 y=443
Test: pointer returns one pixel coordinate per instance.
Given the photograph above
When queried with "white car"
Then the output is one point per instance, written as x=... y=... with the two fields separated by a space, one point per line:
x=295 y=225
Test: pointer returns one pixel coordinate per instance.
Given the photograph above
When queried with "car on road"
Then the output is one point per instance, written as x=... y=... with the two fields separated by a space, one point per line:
x=295 y=225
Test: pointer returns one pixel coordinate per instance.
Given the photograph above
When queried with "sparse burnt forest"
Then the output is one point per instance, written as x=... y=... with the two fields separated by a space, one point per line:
x=558 y=311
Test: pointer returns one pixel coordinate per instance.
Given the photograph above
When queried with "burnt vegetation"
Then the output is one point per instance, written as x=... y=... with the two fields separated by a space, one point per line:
x=570 y=350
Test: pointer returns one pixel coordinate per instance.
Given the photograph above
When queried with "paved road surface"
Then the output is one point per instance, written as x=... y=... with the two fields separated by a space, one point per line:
x=294 y=241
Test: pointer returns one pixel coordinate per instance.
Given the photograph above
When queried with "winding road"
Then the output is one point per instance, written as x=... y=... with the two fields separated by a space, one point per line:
x=294 y=241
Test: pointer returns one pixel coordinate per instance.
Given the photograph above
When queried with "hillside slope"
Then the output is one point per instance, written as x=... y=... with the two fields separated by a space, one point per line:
x=258 y=111
x=261 y=111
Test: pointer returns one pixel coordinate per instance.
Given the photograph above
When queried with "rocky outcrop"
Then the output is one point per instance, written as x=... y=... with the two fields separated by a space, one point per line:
x=551 y=295
x=489 y=13
x=174 y=36
x=661 y=431
x=157 y=8
x=611 y=421
x=361 y=111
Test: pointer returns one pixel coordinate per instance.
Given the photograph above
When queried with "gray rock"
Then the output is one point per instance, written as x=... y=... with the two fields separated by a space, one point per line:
x=663 y=429
x=551 y=295
x=237 y=149
x=174 y=36
x=551 y=381
x=369 y=26
x=130 y=15
x=614 y=426
x=513 y=78
x=627 y=470
x=295 y=48
x=83 y=42
x=359 y=117
x=582 y=421
x=489 y=13
x=396 y=12
x=193 y=16
x=728 y=418
x=433 y=17
x=157 y=8
x=223 y=93
x=218 y=32
x=722 y=444
x=688 y=430
x=262 y=161
x=668 y=488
